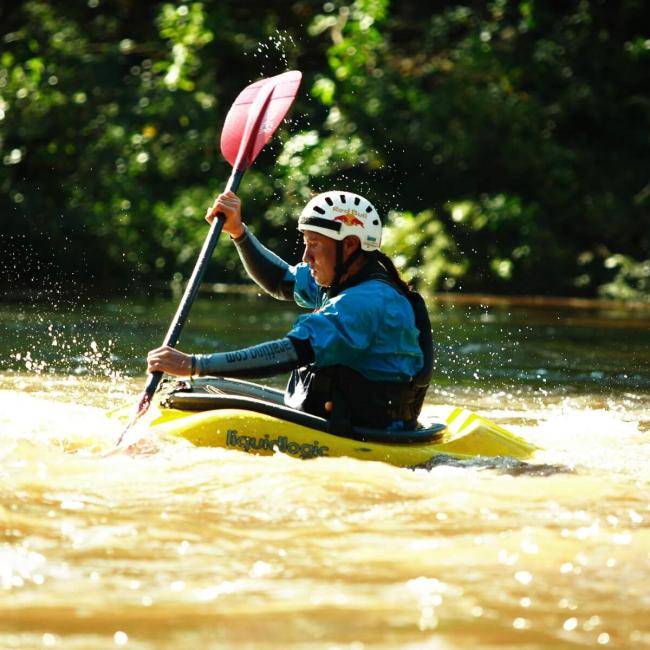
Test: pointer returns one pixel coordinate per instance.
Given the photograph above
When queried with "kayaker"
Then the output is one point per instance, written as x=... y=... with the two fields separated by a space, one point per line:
x=363 y=356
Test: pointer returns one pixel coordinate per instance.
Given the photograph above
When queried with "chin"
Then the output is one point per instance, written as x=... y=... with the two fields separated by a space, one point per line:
x=318 y=279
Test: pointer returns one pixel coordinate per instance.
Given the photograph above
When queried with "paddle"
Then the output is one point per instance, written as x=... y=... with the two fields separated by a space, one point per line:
x=250 y=123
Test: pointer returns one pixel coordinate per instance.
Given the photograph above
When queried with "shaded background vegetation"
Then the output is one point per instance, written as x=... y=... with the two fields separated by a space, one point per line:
x=507 y=143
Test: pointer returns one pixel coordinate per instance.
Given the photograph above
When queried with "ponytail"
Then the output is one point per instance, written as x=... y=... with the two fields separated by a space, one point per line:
x=392 y=271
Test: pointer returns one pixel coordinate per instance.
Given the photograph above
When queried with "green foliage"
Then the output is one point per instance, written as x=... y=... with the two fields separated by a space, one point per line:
x=520 y=127
x=118 y=121
x=631 y=282
x=507 y=241
x=423 y=250
x=506 y=143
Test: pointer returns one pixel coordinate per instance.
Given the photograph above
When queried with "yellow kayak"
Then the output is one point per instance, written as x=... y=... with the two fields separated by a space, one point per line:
x=252 y=418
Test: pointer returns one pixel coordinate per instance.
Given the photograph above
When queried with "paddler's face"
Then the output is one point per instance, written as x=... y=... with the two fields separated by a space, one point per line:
x=320 y=254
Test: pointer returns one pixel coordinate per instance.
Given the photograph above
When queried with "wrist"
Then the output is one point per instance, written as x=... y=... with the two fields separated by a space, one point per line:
x=238 y=234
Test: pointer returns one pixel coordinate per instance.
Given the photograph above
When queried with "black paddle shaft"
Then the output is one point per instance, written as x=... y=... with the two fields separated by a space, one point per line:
x=194 y=283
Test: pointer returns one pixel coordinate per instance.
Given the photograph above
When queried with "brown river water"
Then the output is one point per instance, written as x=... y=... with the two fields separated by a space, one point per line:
x=185 y=547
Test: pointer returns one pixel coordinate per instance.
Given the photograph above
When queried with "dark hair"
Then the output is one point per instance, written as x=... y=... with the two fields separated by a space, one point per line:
x=392 y=271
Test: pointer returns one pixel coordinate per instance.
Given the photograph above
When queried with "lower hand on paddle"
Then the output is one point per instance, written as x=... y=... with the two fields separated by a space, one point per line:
x=169 y=360
x=228 y=205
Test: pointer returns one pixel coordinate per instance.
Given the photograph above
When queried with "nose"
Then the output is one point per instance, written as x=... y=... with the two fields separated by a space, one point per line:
x=307 y=256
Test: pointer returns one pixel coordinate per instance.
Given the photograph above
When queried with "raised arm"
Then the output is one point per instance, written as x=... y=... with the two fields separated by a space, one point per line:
x=268 y=270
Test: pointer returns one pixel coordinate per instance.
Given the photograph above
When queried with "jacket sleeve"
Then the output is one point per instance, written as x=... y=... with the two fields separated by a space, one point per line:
x=263 y=360
x=269 y=271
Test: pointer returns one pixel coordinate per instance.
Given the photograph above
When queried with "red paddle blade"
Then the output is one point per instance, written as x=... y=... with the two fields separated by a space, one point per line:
x=254 y=117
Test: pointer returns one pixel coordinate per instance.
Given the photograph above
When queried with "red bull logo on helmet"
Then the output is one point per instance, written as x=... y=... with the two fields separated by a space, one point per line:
x=349 y=219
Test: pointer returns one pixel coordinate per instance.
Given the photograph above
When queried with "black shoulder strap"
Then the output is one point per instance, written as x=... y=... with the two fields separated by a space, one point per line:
x=425 y=338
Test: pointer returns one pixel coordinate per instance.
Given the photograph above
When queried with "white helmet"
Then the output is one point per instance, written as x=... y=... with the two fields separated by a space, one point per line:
x=338 y=215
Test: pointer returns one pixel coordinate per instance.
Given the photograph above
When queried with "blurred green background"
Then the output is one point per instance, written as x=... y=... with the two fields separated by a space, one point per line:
x=506 y=144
